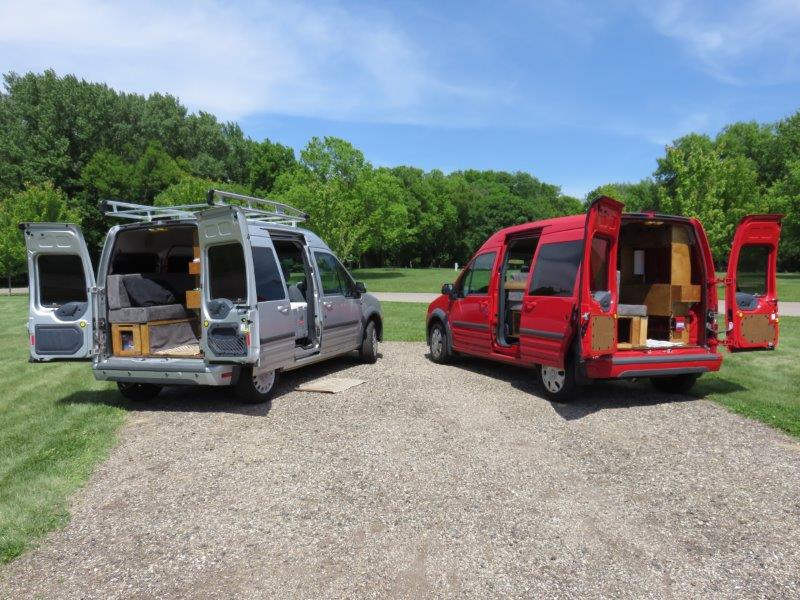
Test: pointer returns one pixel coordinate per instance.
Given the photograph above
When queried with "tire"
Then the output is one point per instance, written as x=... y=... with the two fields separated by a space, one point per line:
x=369 y=345
x=438 y=345
x=253 y=389
x=675 y=384
x=558 y=385
x=138 y=392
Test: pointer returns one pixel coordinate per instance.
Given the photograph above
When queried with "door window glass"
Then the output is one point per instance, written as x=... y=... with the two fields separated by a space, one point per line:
x=476 y=280
x=334 y=277
x=269 y=284
x=751 y=270
x=61 y=279
x=555 y=269
x=599 y=264
x=227 y=276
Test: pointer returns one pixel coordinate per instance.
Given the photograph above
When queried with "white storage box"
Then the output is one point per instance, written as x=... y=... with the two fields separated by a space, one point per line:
x=300 y=313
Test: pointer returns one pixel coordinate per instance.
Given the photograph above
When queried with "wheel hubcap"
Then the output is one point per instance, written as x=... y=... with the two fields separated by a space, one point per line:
x=436 y=342
x=553 y=379
x=264 y=381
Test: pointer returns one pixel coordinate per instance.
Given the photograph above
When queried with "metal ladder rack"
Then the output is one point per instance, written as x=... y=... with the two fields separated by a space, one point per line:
x=254 y=209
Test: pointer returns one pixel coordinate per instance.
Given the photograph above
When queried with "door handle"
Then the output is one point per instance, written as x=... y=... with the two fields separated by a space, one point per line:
x=483 y=306
x=284 y=308
x=529 y=305
x=328 y=305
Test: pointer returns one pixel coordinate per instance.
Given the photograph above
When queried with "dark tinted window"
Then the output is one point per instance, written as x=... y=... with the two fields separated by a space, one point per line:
x=269 y=285
x=599 y=264
x=61 y=279
x=335 y=279
x=226 y=273
x=555 y=269
x=751 y=270
x=476 y=280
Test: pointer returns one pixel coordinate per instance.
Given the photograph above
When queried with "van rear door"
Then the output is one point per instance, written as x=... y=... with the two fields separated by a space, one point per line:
x=751 y=295
x=61 y=314
x=229 y=304
x=598 y=291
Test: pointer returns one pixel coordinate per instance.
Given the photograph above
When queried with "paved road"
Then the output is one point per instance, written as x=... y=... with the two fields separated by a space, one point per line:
x=787 y=309
x=429 y=481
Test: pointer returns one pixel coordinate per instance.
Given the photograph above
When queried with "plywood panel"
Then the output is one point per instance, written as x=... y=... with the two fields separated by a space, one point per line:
x=758 y=329
x=604 y=333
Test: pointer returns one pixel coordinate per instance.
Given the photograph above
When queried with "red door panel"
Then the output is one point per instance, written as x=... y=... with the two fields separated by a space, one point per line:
x=598 y=285
x=470 y=313
x=751 y=296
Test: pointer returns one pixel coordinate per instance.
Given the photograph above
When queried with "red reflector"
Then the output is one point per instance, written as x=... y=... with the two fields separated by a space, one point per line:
x=227 y=375
x=33 y=340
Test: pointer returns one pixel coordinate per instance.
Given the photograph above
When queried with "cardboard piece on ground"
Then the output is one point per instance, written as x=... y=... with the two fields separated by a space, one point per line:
x=329 y=385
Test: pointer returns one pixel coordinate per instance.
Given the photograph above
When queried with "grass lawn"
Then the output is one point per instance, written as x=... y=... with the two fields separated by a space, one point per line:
x=431 y=280
x=49 y=440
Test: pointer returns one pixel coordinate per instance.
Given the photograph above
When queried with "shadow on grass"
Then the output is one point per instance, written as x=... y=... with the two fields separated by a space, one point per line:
x=212 y=399
x=596 y=397
x=367 y=276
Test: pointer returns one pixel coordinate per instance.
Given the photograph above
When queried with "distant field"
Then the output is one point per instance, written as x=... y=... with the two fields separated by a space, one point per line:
x=431 y=280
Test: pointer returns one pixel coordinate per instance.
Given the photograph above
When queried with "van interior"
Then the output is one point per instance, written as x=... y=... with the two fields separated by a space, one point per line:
x=152 y=292
x=660 y=275
x=153 y=295
x=660 y=284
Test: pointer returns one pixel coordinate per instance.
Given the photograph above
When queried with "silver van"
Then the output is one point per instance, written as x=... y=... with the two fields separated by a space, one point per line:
x=231 y=292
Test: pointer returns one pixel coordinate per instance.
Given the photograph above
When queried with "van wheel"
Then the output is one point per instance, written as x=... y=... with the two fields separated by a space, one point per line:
x=675 y=384
x=558 y=384
x=369 y=345
x=255 y=389
x=437 y=342
x=138 y=392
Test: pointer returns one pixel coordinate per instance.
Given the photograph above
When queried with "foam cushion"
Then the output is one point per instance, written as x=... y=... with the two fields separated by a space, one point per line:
x=146 y=292
x=632 y=310
x=143 y=314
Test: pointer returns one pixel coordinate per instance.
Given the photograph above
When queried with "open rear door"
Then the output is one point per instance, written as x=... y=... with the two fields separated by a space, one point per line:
x=751 y=295
x=228 y=299
x=61 y=317
x=598 y=291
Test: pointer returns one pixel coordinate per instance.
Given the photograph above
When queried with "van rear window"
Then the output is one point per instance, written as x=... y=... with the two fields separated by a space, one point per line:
x=555 y=269
x=61 y=279
x=226 y=273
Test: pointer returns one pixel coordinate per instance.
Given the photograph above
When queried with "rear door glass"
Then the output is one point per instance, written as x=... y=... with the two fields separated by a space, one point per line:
x=556 y=268
x=61 y=279
x=227 y=277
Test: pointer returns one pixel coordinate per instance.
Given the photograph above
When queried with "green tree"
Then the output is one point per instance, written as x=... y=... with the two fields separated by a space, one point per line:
x=154 y=171
x=267 y=161
x=35 y=203
x=194 y=190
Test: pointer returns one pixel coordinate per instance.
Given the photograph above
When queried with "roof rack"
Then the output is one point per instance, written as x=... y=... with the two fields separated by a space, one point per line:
x=255 y=209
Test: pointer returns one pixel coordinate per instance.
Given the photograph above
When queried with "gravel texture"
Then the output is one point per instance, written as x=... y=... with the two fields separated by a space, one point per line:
x=429 y=481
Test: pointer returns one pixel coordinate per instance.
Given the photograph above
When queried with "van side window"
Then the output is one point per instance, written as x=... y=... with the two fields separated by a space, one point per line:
x=599 y=264
x=476 y=279
x=61 y=279
x=226 y=273
x=269 y=284
x=335 y=279
x=555 y=269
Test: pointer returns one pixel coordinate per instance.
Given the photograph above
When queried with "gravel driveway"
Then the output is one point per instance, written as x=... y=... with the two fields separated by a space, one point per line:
x=430 y=481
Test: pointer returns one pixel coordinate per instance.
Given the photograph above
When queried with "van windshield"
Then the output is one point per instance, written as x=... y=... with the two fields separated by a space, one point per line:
x=226 y=273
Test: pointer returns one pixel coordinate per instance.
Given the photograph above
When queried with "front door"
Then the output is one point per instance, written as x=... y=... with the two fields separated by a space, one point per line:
x=61 y=312
x=598 y=283
x=751 y=295
x=340 y=306
x=231 y=325
x=276 y=319
x=471 y=310
x=546 y=324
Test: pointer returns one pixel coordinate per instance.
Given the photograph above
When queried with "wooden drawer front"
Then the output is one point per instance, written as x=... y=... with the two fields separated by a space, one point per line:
x=194 y=267
x=193 y=299
x=126 y=339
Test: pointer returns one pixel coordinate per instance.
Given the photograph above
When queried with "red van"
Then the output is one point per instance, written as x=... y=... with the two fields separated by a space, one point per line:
x=610 y=295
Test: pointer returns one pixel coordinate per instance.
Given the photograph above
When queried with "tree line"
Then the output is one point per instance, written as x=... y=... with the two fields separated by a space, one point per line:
x=66 y=143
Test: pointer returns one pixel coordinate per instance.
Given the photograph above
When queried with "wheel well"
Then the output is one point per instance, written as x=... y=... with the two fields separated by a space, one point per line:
x=378 y=325
x=431 y=323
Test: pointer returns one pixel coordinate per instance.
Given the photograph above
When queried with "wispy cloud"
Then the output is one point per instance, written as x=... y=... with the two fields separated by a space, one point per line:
x=737 y=42
x=311 y=60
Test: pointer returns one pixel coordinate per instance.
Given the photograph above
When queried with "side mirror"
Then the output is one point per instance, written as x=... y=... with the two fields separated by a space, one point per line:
x=360 y=287
x=448 y=290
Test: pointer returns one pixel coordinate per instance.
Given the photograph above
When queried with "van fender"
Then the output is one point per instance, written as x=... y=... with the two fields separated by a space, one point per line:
x=371 y=309
x=440 y=315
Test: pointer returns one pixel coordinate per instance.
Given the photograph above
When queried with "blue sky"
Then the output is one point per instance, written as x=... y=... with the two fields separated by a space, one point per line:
x=577 y=93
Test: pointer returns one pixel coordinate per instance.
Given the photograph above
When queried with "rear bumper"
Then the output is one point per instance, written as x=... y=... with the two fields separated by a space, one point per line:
x=164 y=371
x=624 y=365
